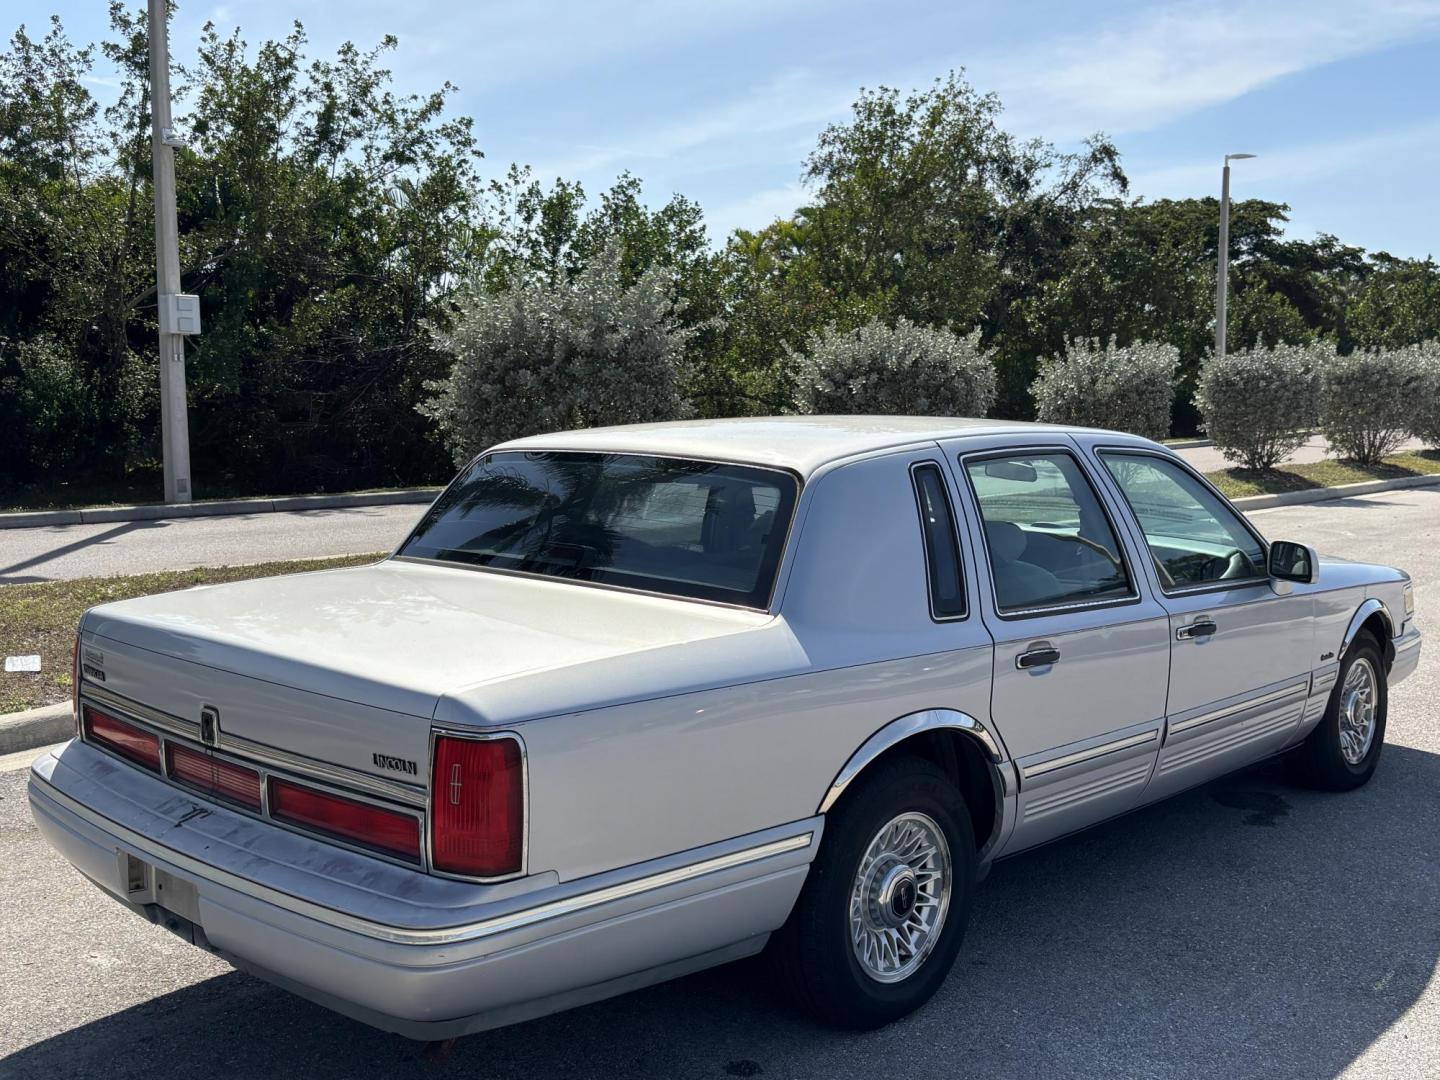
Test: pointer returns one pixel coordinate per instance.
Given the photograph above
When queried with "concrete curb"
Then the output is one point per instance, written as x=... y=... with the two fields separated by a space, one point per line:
x=35 y=727
x=1189 y=444
x=1344 y=491
x=30 y=519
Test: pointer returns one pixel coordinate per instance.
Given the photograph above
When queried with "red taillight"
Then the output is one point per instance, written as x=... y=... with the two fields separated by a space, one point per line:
x=127 y=740
x=211 y=776
x=75 y=684
x=477 y=807
x=345 y=819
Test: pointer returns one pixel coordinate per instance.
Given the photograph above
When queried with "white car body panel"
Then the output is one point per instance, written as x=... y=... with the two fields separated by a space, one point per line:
x=680 y=754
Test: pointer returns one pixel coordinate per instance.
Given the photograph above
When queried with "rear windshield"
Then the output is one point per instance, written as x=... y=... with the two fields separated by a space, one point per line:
x=687 y=528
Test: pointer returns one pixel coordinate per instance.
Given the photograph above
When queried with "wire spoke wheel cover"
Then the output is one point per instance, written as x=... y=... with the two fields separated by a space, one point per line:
x=1357 y=711
x=900 y=896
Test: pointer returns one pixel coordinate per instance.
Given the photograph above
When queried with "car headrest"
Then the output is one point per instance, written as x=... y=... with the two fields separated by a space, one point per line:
x=1006 y=540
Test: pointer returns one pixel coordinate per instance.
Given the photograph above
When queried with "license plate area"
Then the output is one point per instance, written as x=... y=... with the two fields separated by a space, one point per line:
x=145 y=884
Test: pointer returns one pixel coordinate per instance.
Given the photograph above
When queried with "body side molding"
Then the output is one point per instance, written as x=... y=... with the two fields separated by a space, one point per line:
x=903 y=728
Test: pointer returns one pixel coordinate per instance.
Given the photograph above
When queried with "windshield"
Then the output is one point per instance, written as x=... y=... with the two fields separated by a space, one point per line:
x=694 y=529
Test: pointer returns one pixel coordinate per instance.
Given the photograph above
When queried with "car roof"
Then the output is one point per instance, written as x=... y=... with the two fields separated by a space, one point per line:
x=800 y=443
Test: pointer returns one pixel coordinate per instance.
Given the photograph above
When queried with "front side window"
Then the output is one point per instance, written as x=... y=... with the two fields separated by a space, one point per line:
x=693 y=529
x=1049 y=540
x=1194 y=537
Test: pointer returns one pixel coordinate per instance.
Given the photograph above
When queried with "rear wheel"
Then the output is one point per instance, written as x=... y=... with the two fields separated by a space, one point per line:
x=1343 y=750
x=880 y=920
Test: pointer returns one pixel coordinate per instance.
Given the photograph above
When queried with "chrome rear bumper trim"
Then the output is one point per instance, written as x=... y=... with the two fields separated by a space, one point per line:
x=483 y=928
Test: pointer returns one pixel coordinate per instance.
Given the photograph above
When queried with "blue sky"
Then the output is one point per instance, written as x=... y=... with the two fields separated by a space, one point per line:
x=722 y=100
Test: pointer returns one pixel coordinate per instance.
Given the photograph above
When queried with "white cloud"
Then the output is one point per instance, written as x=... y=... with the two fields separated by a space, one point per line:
x=793 y=99
x=1184 y=57
x=754 y=211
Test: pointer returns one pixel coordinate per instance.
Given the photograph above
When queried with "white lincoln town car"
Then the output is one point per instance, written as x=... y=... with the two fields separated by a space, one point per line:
x=631 y=702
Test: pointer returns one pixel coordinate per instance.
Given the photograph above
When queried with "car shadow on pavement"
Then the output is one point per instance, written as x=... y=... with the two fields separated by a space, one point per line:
x=9 y=575
x=1248 y=928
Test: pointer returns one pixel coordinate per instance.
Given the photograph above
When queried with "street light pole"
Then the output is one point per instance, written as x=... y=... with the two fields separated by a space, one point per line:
x=174 y=424
x=1222 y=278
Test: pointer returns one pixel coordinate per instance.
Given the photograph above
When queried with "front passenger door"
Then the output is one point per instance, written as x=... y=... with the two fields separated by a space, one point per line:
x=1081 y=649
x=1240 y=661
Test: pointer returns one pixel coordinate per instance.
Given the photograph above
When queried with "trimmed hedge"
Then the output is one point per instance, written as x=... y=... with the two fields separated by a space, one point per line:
x=1368 y=401
x=583 y=353
x=895 y=370
x=1260 y=404
x=1124 y=388
x=1425 y=416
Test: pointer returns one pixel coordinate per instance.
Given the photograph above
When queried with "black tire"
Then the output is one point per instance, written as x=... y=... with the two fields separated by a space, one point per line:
x=1321 y=762
x=813 y=952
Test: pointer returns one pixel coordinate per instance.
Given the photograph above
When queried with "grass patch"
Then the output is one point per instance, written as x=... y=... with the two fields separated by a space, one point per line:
x=41 y=618
x=1238 y=483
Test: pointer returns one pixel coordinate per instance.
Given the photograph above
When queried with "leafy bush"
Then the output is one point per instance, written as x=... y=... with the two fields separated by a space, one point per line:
x=1368 y=401
x=1425 y=417
x=536 y=357
x=46 y=409
x=900 y=370
x=1125 y=388
x=1259 y=404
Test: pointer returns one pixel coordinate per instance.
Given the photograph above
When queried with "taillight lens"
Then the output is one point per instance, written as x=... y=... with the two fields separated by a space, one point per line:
x=346 y=819
x=127 y=740
x=211 y=776
x=75 y=684
x=477 y=806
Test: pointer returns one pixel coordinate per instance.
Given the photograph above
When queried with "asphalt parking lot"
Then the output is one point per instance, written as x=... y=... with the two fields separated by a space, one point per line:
x=1249 y=928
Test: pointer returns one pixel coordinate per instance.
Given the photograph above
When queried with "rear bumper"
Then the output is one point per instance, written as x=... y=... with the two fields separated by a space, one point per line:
x=422 y=956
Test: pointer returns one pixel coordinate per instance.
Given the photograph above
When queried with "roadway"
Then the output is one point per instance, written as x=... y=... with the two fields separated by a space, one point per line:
x=1246 y=929
x=56 y=552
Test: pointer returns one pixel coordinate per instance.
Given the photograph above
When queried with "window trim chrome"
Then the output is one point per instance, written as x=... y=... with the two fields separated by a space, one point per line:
x=1062 y=607
x=931 y=463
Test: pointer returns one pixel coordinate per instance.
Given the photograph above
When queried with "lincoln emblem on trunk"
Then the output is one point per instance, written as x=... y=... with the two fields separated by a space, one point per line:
x=209 y=725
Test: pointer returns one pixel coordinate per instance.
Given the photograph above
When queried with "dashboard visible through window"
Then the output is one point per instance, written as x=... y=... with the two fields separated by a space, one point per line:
x=1194 y=538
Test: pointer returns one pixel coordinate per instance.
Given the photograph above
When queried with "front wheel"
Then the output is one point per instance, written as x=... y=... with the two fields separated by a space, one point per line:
x=1343 y=750
x=880 y=920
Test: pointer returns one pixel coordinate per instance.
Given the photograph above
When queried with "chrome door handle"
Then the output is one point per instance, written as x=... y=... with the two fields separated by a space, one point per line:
x=1037 y=658
x=1199 y=628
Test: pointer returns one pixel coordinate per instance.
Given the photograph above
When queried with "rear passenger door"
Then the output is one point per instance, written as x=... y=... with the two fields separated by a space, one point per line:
x=1082 y=649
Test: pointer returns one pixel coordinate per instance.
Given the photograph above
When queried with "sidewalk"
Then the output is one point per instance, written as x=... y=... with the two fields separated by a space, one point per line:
x=1209 y=459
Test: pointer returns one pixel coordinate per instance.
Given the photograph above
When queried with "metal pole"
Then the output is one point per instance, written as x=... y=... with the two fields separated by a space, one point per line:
x=1222 y=277
x=174 y=425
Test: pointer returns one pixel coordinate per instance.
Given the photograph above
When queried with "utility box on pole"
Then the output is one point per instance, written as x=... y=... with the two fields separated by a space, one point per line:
x=179 y=314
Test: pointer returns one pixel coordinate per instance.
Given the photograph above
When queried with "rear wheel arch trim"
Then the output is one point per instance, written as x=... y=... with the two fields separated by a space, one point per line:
x=907 y=727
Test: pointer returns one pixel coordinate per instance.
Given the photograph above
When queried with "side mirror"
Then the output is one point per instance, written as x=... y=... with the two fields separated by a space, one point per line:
x=1290 y=561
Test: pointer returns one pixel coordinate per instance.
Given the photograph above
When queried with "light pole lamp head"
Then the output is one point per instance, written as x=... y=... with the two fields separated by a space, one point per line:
x=1237 y=157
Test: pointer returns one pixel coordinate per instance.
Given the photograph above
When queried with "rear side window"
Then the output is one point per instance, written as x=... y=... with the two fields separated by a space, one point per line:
x=942 y=547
